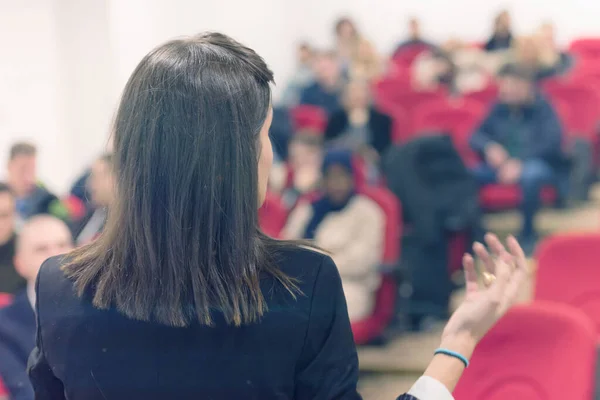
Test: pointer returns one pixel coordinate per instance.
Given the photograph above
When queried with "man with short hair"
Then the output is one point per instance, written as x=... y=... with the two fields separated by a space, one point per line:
x=41 y=237
x=31 y=198
x=10 y=280
x=520 y=143
x=101 y=186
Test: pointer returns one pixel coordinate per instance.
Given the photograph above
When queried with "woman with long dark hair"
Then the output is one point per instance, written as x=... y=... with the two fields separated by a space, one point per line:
x=182 y=297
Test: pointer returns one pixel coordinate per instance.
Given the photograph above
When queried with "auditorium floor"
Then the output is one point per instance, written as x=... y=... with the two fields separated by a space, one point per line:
x=391 y=370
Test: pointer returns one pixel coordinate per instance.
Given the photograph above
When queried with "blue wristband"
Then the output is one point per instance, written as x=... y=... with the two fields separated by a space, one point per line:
x=453 y=354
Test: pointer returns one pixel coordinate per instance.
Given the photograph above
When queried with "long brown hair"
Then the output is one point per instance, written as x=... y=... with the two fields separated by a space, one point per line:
x=182 y=238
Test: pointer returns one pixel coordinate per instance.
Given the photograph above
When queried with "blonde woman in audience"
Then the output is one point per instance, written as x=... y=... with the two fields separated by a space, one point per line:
x=538 y=54
x=348 y=225
x=502 y=37
x=366 y=64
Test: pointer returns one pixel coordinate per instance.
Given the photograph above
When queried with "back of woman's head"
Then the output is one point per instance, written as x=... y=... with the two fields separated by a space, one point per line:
x=182 y=240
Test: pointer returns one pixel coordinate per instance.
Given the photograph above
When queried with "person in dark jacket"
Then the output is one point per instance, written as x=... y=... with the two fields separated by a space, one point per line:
x=10 y=281
x=326 y=91
x=502 y=37
x=358 y=126
x=42 y=236
x=415 y=38
x=182 y=297
x=32 y=198
x=519 y=141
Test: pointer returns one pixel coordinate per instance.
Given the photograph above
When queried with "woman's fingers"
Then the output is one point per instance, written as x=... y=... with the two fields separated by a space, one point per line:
x=517 y=252
x=470 y=274
x=497 y=290
x=485 y=257
x=497 y=248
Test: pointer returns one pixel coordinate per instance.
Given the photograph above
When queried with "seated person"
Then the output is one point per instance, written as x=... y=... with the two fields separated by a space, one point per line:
x=32 y=198
x=101 y=185
x=502 y=36
x=325 y=92
x=348 y=225
x=346 y=39
x=302 y=76
x=365 y=63
x=414 y=37
x=539 y=55
x=519 y=141
x=42 y=236
x=553 y=60
x=10 y=280
x=358 y=127
x=305 y=156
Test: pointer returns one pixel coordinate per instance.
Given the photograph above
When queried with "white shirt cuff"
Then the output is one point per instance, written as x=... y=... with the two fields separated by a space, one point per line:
x=428 y=388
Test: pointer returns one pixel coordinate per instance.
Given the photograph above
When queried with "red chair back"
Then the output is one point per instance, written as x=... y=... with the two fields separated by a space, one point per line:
x=408 y=54
x=568 y=272
x=484 y=96
x=584 y=104
x=385 y=302
x=272 y=215
x=309 y=117
x=401 y=125
x=386 y=90
x=586 y=47
x=536 y=352
x=458 y=119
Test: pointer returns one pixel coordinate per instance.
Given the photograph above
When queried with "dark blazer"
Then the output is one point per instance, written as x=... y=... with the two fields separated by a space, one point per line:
x=17 y=339
x=302 y=349
x=379 y=124
x=317 y=95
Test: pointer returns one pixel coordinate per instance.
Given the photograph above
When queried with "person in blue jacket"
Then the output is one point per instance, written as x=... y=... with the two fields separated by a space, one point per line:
x=519 y=142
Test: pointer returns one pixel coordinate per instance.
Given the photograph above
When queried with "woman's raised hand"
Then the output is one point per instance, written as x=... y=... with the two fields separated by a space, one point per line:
x=505 y=276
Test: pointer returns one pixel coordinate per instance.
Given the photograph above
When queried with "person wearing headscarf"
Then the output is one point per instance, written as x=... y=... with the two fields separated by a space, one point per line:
x=348 y=225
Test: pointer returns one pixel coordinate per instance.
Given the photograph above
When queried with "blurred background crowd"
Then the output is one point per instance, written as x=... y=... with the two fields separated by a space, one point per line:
x=388 y=160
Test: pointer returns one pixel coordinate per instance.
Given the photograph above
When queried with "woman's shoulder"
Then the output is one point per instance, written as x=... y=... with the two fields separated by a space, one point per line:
x=51 y=280
x=305 y=264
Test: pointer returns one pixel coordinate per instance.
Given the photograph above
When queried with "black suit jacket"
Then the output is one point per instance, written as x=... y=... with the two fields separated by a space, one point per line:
x=302 y=349
x=17 y=339
x=379 y=124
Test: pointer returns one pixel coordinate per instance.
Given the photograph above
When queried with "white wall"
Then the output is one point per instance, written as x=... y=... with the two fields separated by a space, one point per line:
x=64 y=62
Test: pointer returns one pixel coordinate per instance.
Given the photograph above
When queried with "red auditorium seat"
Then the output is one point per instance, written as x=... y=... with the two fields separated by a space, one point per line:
x=503 y=197
x=401 y=127
x=372 y=327
x=542 y=351
x=484 y=96
x=272 y=215
x=407 y=55
x=458 y=118
x=584 y=104
x=385 y=91
x=567 y=272
x=3 y=391
x=309 y=117
x=586 y=48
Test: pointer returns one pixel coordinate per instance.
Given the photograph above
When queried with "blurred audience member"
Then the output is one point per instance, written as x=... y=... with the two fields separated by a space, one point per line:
x=302 y=76
x=347 y=37
x=415 y=37
x=325 y=92
x=365 y=63
x=520 y=142
x=358 y=127
x=302 y=173
x=553 y=61
x=502 y=36
x=101 y=185
x=42 y=236
x=432 y=69
x=31 y=198
x=10 y=280
x=348 y=225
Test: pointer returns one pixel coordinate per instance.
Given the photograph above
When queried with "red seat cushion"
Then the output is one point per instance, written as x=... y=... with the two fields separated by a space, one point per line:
x=502 y=197
x=309 y=117
x=536 y=352
x=568 y=272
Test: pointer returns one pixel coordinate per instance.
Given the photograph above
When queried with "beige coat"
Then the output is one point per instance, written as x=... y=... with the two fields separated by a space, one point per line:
x=354 y=237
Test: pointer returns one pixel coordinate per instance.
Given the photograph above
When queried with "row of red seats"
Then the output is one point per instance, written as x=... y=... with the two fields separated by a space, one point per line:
x=546 y=350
